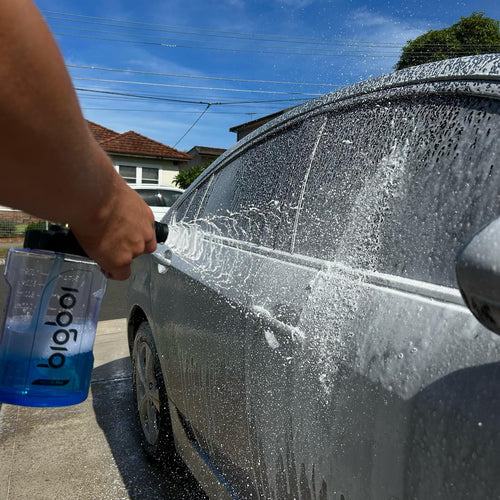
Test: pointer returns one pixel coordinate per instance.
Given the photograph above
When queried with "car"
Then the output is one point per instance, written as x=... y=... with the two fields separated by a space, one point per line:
x=302 y=334
x=159 y=198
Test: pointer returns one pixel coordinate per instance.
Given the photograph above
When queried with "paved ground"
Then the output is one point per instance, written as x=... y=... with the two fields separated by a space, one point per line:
x=87 y=451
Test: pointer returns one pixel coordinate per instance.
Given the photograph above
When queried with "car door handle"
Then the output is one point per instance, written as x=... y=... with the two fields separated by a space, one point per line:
x=163 y=258
x=286 y=314
x=279 y=329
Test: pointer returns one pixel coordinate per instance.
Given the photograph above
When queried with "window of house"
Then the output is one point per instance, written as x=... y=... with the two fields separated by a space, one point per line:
x=149 y=175
x=128 y=173
x=139 y=175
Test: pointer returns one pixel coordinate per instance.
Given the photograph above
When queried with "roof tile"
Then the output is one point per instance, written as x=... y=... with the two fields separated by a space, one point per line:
x=101 y=133
x=133 y=143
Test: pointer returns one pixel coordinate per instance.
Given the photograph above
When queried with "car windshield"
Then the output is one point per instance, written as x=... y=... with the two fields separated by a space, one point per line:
x=159 y=198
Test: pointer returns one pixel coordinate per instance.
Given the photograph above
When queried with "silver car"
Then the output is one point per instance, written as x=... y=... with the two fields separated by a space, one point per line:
x=301 y=334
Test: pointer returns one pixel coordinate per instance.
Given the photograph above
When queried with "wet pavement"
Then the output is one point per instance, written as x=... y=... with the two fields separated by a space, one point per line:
x=90 y=450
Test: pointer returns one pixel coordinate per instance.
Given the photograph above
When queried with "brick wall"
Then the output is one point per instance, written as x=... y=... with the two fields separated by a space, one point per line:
x=17 y=216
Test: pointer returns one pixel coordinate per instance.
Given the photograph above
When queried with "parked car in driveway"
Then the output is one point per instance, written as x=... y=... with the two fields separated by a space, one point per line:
x=301 y=334
x=159 y=198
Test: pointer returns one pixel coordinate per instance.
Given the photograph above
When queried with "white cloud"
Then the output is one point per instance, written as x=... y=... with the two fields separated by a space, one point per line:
x=386 y=35
x=145 y=61
x=376 y=27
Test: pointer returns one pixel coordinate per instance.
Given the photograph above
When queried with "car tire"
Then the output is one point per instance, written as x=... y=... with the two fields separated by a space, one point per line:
x=150 y=399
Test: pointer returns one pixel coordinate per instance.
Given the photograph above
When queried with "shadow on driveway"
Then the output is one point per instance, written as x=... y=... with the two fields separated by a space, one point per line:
x=114 y=411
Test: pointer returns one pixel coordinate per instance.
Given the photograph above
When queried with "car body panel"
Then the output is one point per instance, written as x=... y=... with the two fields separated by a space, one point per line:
x=209 y=390
x=348 y=375
x=312 y=337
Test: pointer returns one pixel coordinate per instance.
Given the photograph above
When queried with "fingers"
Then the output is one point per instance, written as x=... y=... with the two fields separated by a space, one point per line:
x=150 y=246
x=118 y=274
x=122 y=271
x=126 y=232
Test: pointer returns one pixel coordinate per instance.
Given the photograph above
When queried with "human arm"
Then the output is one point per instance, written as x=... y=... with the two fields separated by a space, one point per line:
x=52 y=166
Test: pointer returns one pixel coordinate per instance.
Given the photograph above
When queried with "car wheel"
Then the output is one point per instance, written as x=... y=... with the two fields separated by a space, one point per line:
x=151 y=403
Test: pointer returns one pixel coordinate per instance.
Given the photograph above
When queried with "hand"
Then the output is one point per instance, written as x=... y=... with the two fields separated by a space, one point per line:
x=121 y=231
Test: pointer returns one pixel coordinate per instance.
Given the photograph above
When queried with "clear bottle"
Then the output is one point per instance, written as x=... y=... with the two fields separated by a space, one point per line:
x=49 y=325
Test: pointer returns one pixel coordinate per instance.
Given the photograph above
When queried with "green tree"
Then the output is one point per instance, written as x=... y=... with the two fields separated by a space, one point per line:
x=185 y=178
x=475 y=34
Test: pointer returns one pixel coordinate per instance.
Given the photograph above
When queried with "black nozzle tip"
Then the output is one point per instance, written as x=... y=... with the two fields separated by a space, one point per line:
x=161 y=231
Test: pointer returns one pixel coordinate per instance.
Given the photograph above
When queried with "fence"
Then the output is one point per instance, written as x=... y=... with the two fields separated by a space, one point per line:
x=13 y=224
x=10 y=230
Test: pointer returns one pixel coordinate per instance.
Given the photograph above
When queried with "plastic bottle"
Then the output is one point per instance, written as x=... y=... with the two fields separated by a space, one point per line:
x=50 y=321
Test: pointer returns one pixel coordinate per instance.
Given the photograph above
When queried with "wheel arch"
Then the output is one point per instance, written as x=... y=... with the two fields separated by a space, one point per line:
x=136 y=317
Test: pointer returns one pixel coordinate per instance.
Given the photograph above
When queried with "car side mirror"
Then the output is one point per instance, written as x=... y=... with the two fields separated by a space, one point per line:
x=478 y=275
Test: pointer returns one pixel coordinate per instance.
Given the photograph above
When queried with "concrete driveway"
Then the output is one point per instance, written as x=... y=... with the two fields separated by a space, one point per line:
x=87 y=451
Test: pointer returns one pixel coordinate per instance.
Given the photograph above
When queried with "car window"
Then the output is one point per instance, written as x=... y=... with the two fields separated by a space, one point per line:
x=169 y=197
x=194 y=203
x=152 y=197
x=159 y=197
x=177 y=214
x=216 y=213
x=402 y=193
x=254 y=198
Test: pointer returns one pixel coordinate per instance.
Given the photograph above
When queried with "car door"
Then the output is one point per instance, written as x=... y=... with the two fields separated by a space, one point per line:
x=214 y=250
x=368 y=377
x=200 y=322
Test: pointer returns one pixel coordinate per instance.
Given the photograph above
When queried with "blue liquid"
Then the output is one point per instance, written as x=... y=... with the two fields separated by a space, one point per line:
x=23 y=382
x=48 y=333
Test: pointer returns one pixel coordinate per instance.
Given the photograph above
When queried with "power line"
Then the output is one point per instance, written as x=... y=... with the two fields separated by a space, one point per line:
x=280 y=51
x=129 y=103
x=191 y=127
x=171 y=85
x=243 y=80
x=265 y=37
x=132 y=110
x=79 y=18
x=185 y=101
x=318 y=52
x=149 y=97
x=314 y=44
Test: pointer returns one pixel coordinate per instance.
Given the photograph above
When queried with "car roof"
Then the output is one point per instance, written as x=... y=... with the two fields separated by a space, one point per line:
x=478 y=73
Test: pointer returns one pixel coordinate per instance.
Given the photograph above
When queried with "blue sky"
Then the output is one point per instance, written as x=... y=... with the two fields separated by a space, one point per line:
x=167 y=68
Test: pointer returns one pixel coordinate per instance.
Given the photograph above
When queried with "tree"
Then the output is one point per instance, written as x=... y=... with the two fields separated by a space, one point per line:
x=471 y=35
x=185 y=178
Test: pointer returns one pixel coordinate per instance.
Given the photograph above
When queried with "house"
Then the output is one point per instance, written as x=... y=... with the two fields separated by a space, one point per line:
x=201 y=155
x=245 y=128
x=138 y=159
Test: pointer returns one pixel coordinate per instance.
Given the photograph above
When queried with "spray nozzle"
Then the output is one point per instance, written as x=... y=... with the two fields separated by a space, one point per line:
x=161 y=231
x=56 y=239
x=61 y=239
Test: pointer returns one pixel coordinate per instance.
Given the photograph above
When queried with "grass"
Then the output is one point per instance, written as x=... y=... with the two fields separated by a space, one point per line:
x=4 y=247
